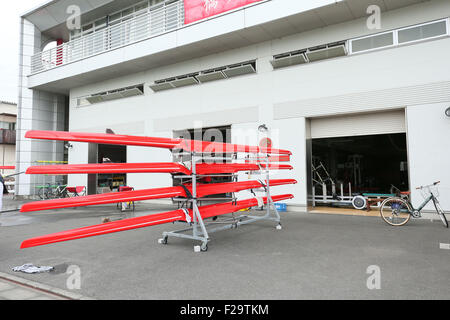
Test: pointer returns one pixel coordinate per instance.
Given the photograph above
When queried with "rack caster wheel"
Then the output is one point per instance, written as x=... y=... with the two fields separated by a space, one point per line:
x=279 y=227
x=162 y=240
x=202 y=248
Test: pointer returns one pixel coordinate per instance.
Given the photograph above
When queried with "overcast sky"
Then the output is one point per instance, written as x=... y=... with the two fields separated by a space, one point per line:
x=9 y=53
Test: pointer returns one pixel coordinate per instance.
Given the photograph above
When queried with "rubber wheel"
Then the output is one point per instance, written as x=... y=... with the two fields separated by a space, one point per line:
x=441 y=214
x=43 y=194
x=395 y=211
x=359 y=202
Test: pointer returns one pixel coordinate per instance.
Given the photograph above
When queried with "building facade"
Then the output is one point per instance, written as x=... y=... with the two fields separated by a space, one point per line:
x=8 y=119
x=360 y=87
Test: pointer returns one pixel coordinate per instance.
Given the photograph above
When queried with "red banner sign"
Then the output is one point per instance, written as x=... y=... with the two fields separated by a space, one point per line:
x=195 y=10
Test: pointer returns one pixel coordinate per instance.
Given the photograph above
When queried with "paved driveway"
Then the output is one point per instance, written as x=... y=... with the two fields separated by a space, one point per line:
x=315 y=256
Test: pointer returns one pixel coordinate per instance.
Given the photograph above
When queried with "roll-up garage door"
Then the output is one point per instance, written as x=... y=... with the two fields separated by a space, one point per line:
x=359 y=124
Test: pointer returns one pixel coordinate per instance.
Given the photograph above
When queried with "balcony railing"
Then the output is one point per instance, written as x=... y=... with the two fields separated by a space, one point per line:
x=144 y=26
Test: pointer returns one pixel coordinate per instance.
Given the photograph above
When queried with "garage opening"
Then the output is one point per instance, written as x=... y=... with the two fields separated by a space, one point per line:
x=370 y=163
x=111 y=154
x=214 y=134
x=357 y=155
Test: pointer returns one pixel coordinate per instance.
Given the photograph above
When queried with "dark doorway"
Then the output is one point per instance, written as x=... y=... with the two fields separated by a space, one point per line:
x=111 y=154
x=214 y=134
x=370 y=163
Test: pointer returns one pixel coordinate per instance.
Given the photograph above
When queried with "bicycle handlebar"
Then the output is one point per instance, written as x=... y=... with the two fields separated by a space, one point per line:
x=430 y=185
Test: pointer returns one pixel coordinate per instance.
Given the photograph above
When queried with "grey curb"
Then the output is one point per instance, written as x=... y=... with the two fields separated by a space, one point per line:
x=43 y=287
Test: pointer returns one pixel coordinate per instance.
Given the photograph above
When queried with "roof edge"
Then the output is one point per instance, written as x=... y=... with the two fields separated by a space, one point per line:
x=43 y=5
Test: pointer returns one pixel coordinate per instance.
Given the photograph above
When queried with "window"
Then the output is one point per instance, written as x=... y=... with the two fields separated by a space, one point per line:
x=7 y=125
x=373 y=42
x=426 y=31
x=100 y=24
x=431 y=30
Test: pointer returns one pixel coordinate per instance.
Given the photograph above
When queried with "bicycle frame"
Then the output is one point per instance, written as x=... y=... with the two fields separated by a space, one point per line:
x=423 y=204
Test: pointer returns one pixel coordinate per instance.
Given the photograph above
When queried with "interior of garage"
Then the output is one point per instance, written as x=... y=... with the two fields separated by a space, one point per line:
x=213 y=134
x=357 y=155
x=111 y=154
x=370 y=163
x=344 y=167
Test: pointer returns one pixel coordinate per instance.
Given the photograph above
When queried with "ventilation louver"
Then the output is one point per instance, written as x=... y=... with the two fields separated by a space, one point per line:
x=287 y=60
x=114 y=94
x=327 y=52
x=205 y=76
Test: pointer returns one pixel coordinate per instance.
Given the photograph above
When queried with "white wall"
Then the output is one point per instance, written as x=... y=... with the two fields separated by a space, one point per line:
x=37 y=110
x=382 y=80
x=7 y=157
x=429 y=150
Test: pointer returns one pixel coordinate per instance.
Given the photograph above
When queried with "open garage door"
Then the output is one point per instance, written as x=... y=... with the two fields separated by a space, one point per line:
x=357 y=154
x=359 y=124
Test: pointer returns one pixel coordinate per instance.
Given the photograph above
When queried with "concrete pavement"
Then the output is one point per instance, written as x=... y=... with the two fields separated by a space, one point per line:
x=315 y=256
x=10 y=290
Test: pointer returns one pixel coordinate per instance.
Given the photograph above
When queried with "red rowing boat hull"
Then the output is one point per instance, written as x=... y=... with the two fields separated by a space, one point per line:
x=145 y=221
x=203 y=190
x=166 y=143
x=162 y=167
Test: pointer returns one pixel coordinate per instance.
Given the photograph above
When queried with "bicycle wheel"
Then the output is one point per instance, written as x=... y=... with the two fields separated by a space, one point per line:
x=42 y=193
x=395 y=211
x=51 y=193
x=441 y=213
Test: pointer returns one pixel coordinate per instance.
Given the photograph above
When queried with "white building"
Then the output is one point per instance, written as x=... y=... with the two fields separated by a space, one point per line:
x=8 y=118
x=332 y=82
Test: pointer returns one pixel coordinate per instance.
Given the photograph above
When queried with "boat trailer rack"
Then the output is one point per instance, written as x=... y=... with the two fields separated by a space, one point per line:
x=199 y=230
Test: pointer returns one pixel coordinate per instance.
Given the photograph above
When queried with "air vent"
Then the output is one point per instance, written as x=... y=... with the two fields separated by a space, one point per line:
x=94 y=99
x=328 y=52
x=161 y=86
x=205 y=76
x=239 y=70
x=208 y=76
x=131 y=92
x=290 y=59
x=112 y=95
x=184 y=81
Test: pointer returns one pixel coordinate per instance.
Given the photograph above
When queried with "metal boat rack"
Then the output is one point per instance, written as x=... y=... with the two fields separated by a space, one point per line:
x=199 y=230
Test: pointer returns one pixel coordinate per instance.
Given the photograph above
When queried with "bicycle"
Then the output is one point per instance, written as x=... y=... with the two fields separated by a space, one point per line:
x=397 y=211
x=59 y=192
x=49 y=191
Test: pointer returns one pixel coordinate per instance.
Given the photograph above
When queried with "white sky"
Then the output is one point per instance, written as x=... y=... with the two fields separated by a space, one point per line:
x=9 y=45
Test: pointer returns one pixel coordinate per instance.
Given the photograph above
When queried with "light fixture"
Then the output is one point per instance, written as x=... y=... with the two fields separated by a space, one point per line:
x=447 y=112
x=68 y=145
x=263 y=128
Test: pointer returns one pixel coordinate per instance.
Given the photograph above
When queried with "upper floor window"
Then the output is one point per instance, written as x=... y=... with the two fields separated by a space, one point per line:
x=120 y=16
x=424 y=31
x=7 y=125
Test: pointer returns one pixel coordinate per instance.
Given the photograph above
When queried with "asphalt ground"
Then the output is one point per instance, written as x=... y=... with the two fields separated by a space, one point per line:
x=314 y=256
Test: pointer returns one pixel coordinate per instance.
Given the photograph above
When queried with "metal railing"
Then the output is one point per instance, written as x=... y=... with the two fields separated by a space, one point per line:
x=143 y=26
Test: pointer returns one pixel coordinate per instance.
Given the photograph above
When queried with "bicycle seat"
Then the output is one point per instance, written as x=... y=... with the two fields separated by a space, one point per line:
x=405 y=193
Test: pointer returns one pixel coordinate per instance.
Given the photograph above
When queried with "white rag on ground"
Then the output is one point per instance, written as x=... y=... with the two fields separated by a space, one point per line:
x=30 y=268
